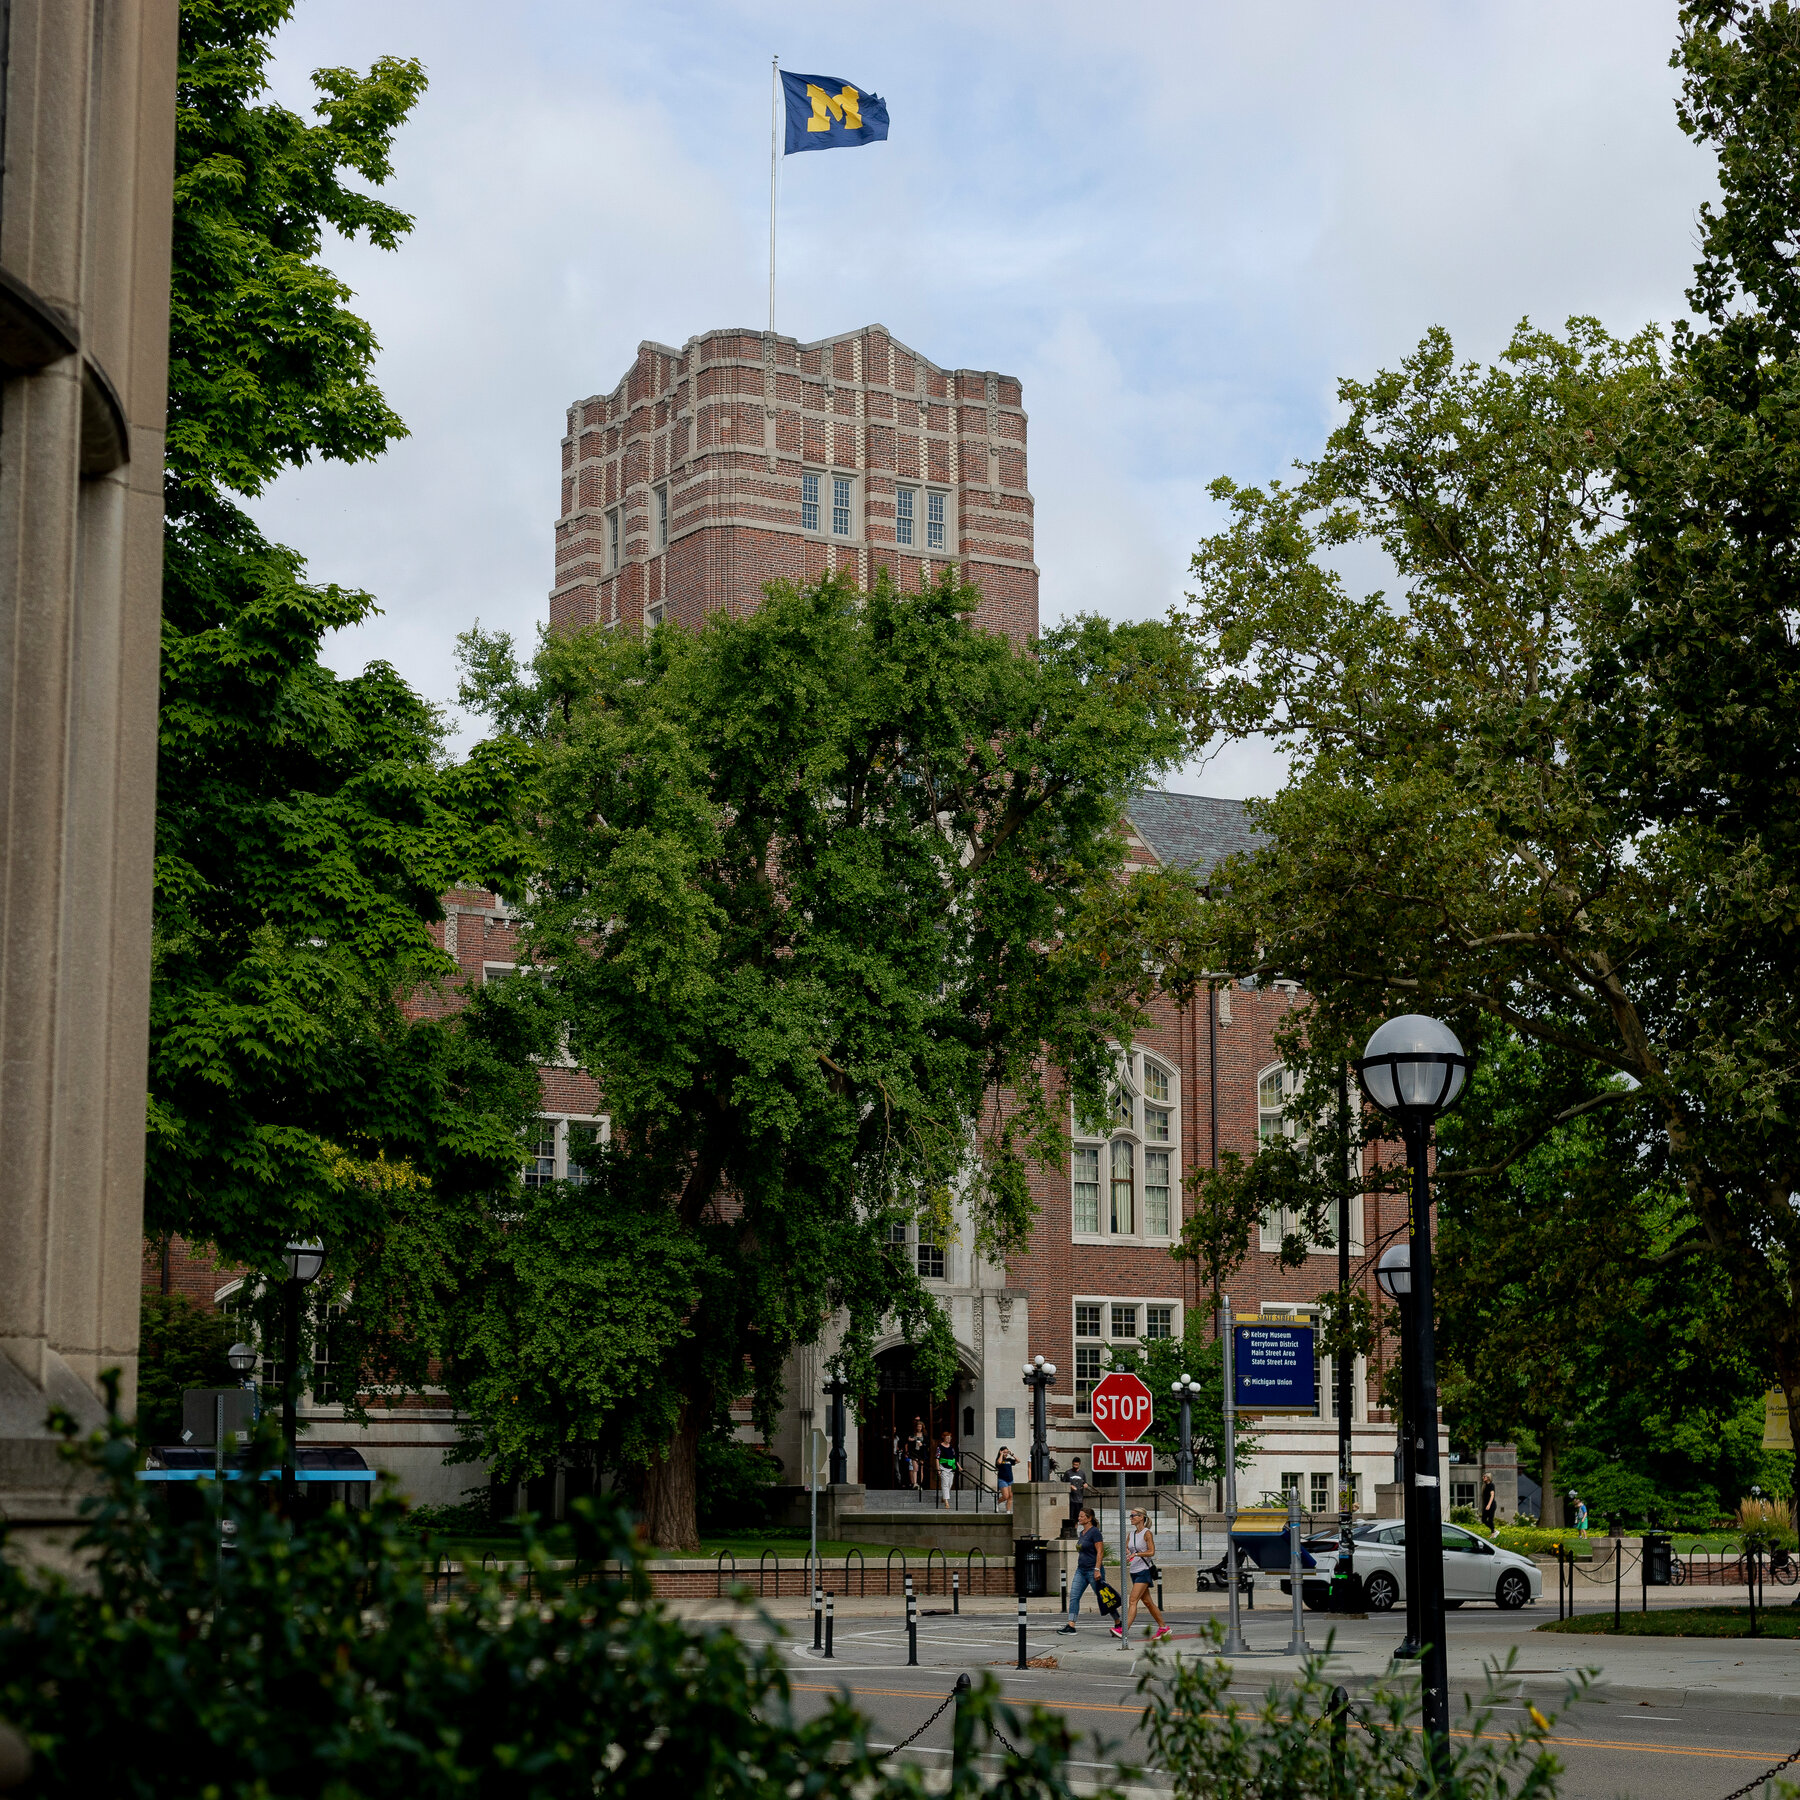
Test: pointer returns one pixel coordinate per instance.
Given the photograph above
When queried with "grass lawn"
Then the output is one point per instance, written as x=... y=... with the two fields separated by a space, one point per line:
x=502 y=1543
x=1778 y=1621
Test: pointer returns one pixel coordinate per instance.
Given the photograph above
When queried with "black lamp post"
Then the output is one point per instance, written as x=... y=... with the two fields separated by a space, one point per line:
x=1184 y=1389
x=1040 y=1377
x=1413 y=1069
x=836 y=1388
x=1394 y=1273
x=304 y=1260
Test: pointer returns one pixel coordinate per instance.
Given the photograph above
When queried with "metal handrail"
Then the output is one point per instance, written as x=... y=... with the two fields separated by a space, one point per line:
x=1182 y=1509
x=979 y=1462
x=862 y=1572
x=719 y=1573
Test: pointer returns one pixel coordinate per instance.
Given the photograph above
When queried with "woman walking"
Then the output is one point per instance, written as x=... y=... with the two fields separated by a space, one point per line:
x=1140 y=1562
x=916 y=1442
x=1090 y=1563
x=946 y=1462
x=1003 y=1478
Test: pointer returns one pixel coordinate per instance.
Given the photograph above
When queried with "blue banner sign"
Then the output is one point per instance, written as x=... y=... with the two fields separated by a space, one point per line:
x=1274 y=1366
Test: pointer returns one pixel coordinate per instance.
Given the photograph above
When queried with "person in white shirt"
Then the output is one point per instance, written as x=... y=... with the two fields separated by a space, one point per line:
x=1142 y=1572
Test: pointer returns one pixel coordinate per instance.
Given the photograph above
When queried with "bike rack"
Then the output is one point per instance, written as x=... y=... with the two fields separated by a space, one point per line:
x=719 y=1573
x=969 y=1570
x=760 y=1589
x=888 y=1572
x=862 y=1573
x=929 y=1554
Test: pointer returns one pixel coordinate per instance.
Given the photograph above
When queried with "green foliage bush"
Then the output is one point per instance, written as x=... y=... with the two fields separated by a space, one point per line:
x=735 y=1482
x=316 y=1664
x=1216 y=1749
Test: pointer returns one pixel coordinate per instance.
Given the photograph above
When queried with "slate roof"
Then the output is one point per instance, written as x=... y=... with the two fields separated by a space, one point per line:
x=1191 y=830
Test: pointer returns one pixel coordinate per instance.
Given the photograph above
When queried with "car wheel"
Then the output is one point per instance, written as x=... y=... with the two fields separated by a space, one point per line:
x=1380 y=1591
x=1512 y=1591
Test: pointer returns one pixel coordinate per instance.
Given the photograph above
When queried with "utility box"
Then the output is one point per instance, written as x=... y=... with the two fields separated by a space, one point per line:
x=199 y=1414
x=1031 y=1567
x=1658 y=1560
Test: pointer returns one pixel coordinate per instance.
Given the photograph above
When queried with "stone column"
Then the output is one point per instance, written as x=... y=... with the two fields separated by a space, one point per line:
x=89 y=122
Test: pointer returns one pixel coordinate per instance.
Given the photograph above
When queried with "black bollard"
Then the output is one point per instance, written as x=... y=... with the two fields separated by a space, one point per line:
x=1340 y=1743
x=1618 y=1558
x=912 y=1632
x=1065 y=1590
x=955 y=1591
x=828 y=1626
x=1024 y=1660
x=817 y=1608
x=961 y=1731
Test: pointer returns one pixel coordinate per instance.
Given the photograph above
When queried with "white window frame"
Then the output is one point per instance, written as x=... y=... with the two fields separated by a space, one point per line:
x=559 y=1124
x=937 y=522
x=1269 y=1123
x=662 y=516
x=1127 y=1123
x=814 y=476
x=1104 y=1304
x=906 y=517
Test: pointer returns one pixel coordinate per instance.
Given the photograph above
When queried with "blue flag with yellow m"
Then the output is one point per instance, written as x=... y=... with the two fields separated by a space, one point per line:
x=826 y=113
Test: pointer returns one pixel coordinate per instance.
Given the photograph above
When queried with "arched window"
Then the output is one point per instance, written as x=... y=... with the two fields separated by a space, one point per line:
x=1123 y=1178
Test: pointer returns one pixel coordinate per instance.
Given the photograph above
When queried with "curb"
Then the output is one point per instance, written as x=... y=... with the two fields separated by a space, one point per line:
x=1253 y=1678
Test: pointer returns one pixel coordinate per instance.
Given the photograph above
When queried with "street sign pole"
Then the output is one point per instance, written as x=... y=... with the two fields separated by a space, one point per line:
x=1234 y=1644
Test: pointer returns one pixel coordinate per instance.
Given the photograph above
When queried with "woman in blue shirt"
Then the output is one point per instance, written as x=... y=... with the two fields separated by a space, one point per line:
x=1090 y=1563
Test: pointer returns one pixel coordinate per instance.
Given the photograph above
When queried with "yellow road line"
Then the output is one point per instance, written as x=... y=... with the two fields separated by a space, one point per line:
x=1578 y=1743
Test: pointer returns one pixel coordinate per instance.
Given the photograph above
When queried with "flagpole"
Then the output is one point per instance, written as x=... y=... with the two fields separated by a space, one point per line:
x=774 y=119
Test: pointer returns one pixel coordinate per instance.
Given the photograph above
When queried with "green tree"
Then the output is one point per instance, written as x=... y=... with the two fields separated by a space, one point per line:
x=180 y=1346
x=1546 y=787
x=808 y=894
x=306 y=824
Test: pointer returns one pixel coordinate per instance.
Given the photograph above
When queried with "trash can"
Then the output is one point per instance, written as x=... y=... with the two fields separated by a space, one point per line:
x=1658 y=1556
x=1031 y=1568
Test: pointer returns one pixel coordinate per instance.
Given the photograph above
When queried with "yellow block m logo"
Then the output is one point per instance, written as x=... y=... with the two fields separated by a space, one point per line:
x=844 y=105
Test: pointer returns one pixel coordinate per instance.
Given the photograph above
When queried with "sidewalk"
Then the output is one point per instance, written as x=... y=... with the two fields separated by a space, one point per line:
x=1696 y=1674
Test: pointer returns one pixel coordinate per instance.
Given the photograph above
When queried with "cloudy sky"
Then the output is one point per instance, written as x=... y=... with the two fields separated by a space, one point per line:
x=1177 y=223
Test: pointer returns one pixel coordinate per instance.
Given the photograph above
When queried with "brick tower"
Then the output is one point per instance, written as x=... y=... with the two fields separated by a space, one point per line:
x=747 y=457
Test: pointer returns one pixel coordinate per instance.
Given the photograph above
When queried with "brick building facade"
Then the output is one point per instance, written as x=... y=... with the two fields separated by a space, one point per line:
x=747 y=457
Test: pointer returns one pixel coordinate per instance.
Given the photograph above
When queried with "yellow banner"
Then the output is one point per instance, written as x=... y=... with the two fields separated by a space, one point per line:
x=1778 y=1430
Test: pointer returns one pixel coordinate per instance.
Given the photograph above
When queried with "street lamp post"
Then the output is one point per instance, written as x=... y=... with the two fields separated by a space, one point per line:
x=1394 y=1273
x=835 y=1389
x=304 y=1260
x=1413 y=1069
x=242 y=1358
x=1040 y=1377
x=1184 y=1388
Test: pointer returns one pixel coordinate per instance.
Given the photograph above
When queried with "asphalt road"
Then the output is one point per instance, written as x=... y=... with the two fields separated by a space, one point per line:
x=1607 y=1749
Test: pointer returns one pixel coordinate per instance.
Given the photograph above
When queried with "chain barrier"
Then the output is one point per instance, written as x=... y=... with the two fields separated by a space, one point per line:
x=1750 y=1787
x=895 y=1749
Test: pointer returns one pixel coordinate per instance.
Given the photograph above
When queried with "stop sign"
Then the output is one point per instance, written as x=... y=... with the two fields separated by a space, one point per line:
x=1122 y=1407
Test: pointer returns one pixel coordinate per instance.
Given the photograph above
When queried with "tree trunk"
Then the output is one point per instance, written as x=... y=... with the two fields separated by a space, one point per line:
x=672 y=1488
x=1547 y=1503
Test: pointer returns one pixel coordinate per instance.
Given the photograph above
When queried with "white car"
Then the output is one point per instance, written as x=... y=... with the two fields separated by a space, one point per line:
x=1474 y=1569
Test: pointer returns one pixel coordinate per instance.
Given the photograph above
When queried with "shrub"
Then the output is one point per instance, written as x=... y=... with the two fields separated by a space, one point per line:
x=1216 y=1749
x=1766 y=1525
x=1464 y=1515
x=180 y=1346
x=315 y=1664
x=473 y=1513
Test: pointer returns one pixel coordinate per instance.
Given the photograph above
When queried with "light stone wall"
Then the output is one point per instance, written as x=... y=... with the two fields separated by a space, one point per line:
x=84 y=249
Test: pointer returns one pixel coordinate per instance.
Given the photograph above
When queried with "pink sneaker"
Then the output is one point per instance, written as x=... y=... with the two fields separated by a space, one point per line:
x=1165 y=1632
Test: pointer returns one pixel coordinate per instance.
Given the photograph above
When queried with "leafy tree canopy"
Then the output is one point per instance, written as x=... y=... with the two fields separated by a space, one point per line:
x=306 y=824
x=808 y=895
